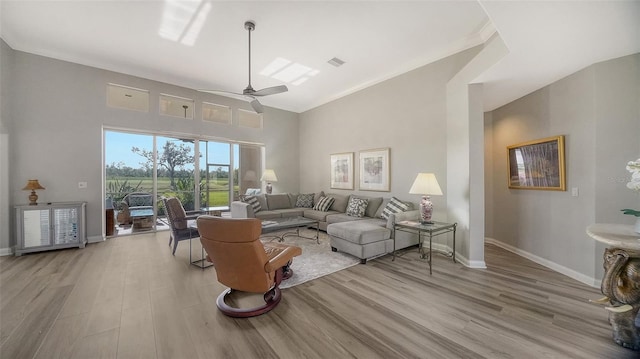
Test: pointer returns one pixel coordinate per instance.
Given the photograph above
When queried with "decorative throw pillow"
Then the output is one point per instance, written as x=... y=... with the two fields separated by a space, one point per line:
x=357 y=207
x=324 y=204
x=394 y=206
x=253 y=201
x=305 y=200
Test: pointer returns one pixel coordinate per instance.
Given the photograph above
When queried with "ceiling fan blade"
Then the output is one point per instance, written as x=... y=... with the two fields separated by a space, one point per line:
x=248 y=93
x=257 y=106
x=271 y=91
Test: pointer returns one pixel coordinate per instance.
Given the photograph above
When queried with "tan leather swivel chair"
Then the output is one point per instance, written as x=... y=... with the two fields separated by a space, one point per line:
x=243 y=263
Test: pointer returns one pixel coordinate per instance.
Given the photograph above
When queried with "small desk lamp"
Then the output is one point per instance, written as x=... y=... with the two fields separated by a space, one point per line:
x=33 y=185
x=426 y=184
x=269 y=176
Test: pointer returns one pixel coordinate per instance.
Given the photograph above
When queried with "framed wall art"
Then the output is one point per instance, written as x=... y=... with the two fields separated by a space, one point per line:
x=537 y=164
x=374 y=170
x=342 y=170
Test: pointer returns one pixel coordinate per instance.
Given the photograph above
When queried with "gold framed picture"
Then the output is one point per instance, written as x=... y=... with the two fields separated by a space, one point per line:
x=537 y=164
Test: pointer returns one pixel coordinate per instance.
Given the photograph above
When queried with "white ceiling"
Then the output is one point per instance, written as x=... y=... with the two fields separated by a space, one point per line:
x=377 y=40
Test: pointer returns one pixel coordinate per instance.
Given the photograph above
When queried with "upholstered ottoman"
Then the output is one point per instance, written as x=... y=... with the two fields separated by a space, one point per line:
x=362 y=239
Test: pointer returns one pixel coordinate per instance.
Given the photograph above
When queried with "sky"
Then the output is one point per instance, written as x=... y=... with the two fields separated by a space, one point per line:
x=118 y=149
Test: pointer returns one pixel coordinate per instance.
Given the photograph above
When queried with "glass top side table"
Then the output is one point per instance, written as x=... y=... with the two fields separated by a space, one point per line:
x=432 y=229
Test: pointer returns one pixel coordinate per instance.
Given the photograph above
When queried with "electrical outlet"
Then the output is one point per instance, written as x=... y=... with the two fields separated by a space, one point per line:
x=574 y=191
x=82 y=184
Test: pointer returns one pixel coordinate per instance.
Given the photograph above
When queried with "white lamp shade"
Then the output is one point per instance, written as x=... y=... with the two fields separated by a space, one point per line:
x=269 y=176
x=426 y=184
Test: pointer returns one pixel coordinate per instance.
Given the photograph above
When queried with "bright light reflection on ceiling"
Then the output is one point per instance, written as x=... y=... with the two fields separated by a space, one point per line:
x=288 y=71
x=182 y=20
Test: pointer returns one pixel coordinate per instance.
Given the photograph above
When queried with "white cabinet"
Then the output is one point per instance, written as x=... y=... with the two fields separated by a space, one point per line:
x=50 y=226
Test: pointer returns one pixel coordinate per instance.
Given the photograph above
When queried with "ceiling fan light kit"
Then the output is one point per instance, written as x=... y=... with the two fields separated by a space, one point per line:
x=249 y=94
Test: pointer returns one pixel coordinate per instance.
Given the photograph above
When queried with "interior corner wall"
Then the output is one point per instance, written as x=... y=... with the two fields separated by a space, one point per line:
x=597 y=109
x=465 y=145
x=6 y=62
x=59 y=113
x=406 y=113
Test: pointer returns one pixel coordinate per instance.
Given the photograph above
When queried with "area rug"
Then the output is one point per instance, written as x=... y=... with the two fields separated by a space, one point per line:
x=316 y=260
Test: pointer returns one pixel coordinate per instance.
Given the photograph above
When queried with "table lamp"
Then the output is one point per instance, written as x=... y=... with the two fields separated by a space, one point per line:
x=269 y=176
x=427 y=185
x=33 y=185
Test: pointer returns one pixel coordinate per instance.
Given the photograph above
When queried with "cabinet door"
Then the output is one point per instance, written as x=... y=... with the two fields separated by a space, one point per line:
x=65 y=225
x=36 y=227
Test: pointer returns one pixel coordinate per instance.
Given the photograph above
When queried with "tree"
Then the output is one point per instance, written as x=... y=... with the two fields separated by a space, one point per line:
x=173 y=157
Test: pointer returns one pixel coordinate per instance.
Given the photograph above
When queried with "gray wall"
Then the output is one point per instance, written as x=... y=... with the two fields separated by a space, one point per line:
x=58 y=114
x=6 y=63
x=407 y=114
x=598 y=111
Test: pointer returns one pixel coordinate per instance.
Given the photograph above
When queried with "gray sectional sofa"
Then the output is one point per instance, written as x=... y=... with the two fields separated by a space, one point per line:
x=365 y=237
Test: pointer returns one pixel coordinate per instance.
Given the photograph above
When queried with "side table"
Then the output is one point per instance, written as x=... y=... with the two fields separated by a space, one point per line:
x=432 y=229
x=201 y=263
x=621 y=281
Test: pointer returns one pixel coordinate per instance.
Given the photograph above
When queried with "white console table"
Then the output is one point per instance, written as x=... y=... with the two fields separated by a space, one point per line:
x=50 y=226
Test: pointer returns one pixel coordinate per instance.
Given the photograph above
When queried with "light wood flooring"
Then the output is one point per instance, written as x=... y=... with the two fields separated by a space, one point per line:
x=129 y=297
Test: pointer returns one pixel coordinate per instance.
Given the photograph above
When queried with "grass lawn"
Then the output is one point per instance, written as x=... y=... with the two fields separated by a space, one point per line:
x=218 y=190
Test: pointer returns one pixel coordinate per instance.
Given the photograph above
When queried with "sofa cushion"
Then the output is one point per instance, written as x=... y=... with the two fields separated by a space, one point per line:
x=340 y=203
x=359 y=232
x=394 y=206
x=278 y=201
x=357 y=207
x=342 y=217
x=305 y=200
x=253 y=201
x=374 y=204
x=320 y=216
x=291 y=212
x=324 y=204
x=266 y=214
x=317 y=196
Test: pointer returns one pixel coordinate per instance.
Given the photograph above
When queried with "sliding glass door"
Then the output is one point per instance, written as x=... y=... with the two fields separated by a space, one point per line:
x=201 y=173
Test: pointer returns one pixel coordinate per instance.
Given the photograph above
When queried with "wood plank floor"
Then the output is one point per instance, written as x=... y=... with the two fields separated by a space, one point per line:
x=129 y=297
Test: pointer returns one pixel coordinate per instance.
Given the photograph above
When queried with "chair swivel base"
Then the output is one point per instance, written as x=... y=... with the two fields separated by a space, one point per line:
x=271 y=299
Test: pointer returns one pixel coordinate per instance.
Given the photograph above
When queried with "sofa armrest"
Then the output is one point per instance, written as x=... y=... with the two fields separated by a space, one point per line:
x=402 y=216
x=241 y=210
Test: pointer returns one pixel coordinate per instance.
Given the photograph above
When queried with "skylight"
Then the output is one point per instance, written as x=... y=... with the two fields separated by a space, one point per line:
x=182 y=20
x=288 y=71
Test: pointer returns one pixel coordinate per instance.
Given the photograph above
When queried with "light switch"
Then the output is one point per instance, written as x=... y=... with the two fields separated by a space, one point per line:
x=82 y=184
x=574 y=191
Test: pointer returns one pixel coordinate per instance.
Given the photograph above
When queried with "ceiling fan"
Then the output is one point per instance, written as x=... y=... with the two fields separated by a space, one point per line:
x=249 y=94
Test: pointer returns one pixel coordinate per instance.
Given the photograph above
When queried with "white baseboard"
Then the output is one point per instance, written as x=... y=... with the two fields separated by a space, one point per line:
x=459 y=258
x=590 y=281
x=6 y=252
